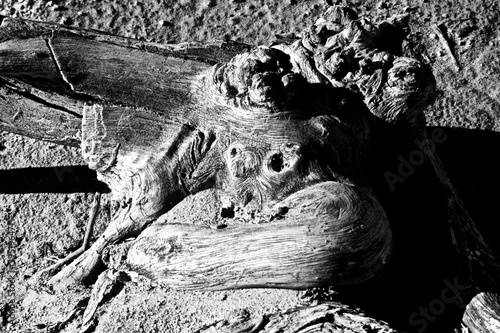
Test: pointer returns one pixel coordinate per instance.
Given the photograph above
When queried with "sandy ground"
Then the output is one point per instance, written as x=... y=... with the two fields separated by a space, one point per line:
x=46 y=193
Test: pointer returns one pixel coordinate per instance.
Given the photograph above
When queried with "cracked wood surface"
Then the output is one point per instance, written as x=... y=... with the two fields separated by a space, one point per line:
x=321 y=318
x=160 y=123
x=329 y=234
x=162 y=132
x=42 y=69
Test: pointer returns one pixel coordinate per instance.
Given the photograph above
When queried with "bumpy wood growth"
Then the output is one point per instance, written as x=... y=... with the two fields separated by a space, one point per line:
x=285 y=135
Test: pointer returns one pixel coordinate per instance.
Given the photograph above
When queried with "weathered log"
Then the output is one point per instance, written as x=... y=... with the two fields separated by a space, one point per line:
x=154 y=81
x=269 y=83
x=264 y=128
x=49 y=72
x=321 y=318
x=155 y=147
x=325 y=234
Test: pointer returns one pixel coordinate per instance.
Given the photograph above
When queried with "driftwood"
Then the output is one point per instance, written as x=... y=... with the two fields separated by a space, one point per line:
x=86 y=239
x=300 y=249
x=289 y=136
x=328 y=317
x=157 y=147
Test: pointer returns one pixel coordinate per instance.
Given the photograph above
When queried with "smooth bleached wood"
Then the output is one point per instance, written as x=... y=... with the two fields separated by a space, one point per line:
x=330 y=234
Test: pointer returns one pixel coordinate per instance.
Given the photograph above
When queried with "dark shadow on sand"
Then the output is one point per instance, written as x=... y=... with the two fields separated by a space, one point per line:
x=415 y=294
x=62 y=179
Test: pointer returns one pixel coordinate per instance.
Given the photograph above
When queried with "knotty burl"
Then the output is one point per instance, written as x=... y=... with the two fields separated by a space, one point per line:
x=288 y=133
x=289 y=138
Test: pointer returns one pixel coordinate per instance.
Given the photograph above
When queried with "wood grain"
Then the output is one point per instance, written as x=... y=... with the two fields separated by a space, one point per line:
x=293 y=125
x=331 y=234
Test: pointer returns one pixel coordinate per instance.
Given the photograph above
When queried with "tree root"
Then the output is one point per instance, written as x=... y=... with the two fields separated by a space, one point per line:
x=51 y=270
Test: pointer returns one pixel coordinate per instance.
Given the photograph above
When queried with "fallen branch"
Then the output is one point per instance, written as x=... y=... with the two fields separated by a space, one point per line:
x=86 y=241
x=287 y=135
x=446 y=45
x=326 y=317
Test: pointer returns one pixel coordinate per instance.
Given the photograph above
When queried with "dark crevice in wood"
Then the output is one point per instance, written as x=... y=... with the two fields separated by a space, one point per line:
x=68 y=84
x=182 y=181
x=28 y=95
x=277 y=162
x=227 y=212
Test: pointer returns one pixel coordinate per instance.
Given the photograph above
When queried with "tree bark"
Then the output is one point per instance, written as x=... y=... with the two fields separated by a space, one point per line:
x=145 y=134
x=285 y=133
x=482 y=313
x=325 y=234
x=320 y=318
x=119 y=99
x=49 y=72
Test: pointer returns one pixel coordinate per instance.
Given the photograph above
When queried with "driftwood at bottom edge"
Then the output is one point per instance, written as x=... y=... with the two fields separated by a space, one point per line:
x=318 y=317
x=322 y=318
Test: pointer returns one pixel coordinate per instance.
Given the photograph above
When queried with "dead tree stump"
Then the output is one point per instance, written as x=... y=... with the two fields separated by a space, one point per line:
x=288 y=135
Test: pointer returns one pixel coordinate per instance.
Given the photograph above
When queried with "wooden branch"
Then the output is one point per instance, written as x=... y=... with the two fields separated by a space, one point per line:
x=446 y=45
x=330 y=234
x=321 y=318
x=81 y=67
x=287 y=134
x=86 y=240
x=28 y=111
x=108 y=284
